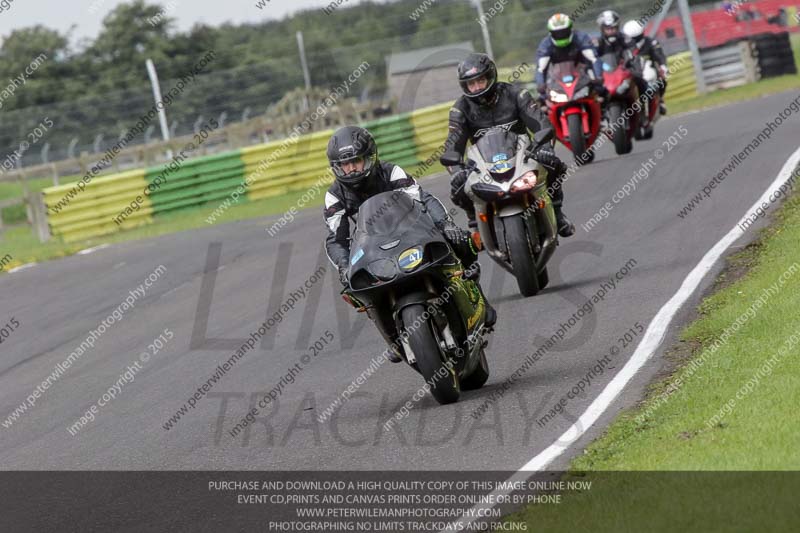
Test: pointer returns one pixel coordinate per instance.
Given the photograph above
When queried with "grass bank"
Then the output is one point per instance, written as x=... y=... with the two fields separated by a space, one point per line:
x=728 y=404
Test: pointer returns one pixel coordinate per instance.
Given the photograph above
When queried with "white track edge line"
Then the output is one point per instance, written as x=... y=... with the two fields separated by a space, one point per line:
x=653 y=336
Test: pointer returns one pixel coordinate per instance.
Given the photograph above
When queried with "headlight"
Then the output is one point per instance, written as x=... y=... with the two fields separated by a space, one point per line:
x=410 y=259
x=525 y=182
x=558 y=97
x=623 y=87
x=583 y=93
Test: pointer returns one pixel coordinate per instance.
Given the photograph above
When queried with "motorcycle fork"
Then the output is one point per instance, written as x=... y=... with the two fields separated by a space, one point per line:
x=585 y=122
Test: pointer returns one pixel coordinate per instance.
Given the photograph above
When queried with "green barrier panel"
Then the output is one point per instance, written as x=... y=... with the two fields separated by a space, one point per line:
x=223 y=183
x=184 y=180
x=395 y=139
x=201 y=195
x=390 y=129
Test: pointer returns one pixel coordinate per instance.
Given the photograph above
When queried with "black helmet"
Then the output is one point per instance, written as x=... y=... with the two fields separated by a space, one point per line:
x=473 y=67
x=351 y=143
x=608 y=21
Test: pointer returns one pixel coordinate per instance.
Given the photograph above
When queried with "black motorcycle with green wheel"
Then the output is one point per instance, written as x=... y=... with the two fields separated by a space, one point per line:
x=402 y=267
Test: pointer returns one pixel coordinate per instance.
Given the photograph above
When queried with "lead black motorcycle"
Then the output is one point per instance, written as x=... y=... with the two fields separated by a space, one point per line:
x=401 y=266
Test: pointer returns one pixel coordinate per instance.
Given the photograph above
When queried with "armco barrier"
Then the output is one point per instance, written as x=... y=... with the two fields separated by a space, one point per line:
x=411 y=140
x=430 y=130
x=728 y=65
x=90 y=212
x=283 y=166
x=194 y=182
x=392 y=135
x=681 y=84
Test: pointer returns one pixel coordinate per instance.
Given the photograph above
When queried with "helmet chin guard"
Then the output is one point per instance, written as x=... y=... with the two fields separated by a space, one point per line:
x=350 y=144
x=474 y=67
x=560 y=28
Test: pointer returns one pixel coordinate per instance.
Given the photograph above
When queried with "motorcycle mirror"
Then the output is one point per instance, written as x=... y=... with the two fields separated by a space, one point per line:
x=450 y=159
x=543 y=136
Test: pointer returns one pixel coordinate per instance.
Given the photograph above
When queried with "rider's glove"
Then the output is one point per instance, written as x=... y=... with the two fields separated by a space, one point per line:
x=600 y=88
x=457 y=182
x=664 y=70
x=456 y=236
x=542 y=94
x=548 y=159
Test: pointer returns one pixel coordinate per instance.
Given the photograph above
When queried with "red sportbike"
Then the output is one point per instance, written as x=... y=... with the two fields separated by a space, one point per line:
x=622 y=94
x=573 y=109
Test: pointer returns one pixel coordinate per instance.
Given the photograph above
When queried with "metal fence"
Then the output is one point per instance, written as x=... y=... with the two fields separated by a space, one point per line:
x=93 y=125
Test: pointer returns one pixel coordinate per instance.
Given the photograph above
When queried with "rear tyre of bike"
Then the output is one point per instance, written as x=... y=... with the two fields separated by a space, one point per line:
x=444 y=384
x=620 y=132
x=478 y=376
x=577 y=140
x=520 y=254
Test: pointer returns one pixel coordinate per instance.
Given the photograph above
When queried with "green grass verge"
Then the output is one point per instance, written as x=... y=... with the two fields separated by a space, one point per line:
x=674 y=429
x=13 y=189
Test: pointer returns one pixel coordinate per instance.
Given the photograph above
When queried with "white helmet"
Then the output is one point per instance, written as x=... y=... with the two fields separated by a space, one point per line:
x=633 y=30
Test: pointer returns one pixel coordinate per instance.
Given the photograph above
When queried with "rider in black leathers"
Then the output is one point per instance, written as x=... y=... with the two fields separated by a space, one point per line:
x=649 y=48
x=486 y=104
x=563 y=43
x=359 y=174
x=611 y=38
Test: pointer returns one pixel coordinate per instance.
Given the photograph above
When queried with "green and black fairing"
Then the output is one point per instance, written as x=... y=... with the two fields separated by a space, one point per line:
x=398 y=258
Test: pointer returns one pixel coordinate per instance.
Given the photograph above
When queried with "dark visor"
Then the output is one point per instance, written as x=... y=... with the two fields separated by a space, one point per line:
x=561 y=34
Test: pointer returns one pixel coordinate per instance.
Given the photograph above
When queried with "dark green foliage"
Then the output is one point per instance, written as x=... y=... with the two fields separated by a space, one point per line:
x=101 y=87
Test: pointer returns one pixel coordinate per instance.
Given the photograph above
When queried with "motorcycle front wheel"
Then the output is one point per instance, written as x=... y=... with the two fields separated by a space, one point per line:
x=444 y=384
x=622 y=145
x=520 y=254
x=478 y=376
x=576 y=139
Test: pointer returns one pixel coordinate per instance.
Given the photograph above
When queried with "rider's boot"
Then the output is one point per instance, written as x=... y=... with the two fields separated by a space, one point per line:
x=473 y=272
x=565 y=227
x=472 y=224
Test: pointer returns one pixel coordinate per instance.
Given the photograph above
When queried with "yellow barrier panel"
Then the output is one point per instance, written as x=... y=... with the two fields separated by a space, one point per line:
x=681 y=83
x=91 y=212
x=430 y=130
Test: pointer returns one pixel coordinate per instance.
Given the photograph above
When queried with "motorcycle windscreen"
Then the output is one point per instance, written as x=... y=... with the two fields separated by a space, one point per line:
x=563 y=72
x=386 y=214
x=610 y=62
x=498 y=148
